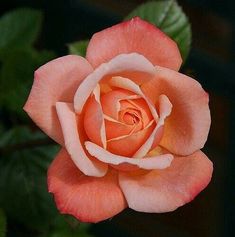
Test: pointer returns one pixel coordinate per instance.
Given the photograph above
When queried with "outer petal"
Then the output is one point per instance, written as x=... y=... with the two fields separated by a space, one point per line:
x=74 y=134
x=166 y=190
x=186 y=129
x=137 y=36
x=55 y=81
x=148 y=163
x=89 y=199
x=119 y=64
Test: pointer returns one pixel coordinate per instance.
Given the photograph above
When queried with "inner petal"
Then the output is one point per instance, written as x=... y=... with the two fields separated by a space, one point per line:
x=130 y=118
x=110 y=101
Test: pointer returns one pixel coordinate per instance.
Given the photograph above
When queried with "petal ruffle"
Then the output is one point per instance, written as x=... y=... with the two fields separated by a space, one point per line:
x=166 y=190
x=55 y=81
x=89 y=199
x=131 y=36
x=74 y=136
x=186 y=129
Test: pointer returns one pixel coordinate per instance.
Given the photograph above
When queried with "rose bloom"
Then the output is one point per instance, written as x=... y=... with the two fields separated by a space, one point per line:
x=131 y=127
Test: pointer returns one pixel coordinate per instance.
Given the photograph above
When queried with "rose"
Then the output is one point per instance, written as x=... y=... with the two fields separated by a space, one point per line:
x=131 y=127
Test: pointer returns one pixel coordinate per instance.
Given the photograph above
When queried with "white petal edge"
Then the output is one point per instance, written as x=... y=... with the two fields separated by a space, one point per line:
x=148 y=163
x=73 y=144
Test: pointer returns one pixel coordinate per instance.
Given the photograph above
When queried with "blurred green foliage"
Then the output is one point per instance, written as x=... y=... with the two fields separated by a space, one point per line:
x=67 y=226
x=19 y=29
x=23 y=169
x=20 y=64
x=78 y=47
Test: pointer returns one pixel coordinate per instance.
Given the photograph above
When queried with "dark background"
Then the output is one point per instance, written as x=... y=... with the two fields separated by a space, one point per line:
x=211 y=61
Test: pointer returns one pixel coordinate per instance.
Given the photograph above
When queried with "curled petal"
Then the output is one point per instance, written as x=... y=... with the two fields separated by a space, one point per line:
x=165 y=108
x=111 y=101
x=165 y=190
x=55 y=81
x=73 y=132
x=89 y=199
x=127 y=84
x=134 y=35
x=94 y=120
x=148 y=163
x=120 y=63
x=141 y=106
x=186 y=129
x=115 y=128
x=128 y=145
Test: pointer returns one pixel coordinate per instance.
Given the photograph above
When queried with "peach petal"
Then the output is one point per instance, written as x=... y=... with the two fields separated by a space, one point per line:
x=136 y=76
x=141 y=105
x=120 y=63
x=127 y=84
x=165 y=108
x=89 y=199
x=129 y=144
x=148 y=163
x=55 y=81
x=111 y=101
x=187 y=128
x=166 y=190
x=116 y=129
x=94 y=120
x=73 y=133
x=137 y=36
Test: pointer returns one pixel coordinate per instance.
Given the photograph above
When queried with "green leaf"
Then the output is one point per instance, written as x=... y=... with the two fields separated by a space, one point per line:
x=170 y=18
x=2 y=224
x=78 y=48
x=19 y=28
x=16 y=76
x=23 y=167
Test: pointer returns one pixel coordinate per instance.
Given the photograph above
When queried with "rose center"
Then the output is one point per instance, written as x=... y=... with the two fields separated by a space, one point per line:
x=130 y=118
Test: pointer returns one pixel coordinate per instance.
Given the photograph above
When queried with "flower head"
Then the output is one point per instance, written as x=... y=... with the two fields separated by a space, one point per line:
x=131 y=127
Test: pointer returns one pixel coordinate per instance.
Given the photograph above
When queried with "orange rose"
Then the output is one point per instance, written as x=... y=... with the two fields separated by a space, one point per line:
x=131 y=127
